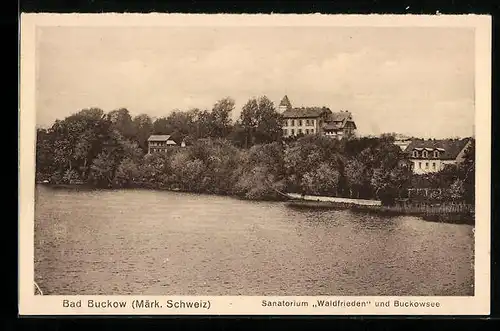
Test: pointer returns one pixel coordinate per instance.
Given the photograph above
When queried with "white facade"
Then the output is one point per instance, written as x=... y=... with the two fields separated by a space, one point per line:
x=421 y=166
x=296 y=126
x=332 y=134
x=429 y=160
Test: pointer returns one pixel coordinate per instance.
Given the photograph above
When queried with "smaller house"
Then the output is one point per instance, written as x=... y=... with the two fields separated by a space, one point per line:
x=402 y=141
x=427 y=156
x=159 y=143
x=339 y=125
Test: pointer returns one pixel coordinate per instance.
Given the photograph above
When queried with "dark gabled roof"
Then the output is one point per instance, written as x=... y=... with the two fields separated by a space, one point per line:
x=333 y=126
x=337 y=120
x=449 y=148
x=305 y=112
x=340 y=116
x=286 y=102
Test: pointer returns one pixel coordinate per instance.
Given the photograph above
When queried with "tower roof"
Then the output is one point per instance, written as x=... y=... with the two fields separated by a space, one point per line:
x=285 y=102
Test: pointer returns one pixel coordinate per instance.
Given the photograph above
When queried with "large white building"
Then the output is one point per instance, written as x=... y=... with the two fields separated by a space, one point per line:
x=428 y=156
x=315 y=120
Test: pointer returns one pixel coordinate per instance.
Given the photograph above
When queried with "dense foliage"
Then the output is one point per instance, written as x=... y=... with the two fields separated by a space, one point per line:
x=247 y=158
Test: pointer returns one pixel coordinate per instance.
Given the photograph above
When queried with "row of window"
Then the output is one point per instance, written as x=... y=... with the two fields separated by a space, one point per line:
x=426 y=165
x=157 y=143
x=299 y=131
x=301 y=122
x=154 y=150
x=425 y=154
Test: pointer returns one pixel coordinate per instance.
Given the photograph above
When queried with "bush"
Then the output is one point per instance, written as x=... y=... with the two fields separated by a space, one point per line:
x=70 y=176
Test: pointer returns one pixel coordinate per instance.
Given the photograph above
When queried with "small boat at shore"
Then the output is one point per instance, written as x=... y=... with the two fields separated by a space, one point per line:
x=319 y=202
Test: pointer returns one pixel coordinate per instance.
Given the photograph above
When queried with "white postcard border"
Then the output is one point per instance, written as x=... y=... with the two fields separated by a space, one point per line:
x=29 y=304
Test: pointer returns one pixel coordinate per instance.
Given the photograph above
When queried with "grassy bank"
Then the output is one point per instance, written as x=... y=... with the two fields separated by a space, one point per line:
x=449 y=212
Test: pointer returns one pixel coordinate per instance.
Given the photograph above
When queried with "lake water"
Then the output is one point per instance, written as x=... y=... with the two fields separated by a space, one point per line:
x=143 y=242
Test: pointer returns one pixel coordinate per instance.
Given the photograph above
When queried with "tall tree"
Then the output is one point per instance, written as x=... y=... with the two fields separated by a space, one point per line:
x=354 y=174
x=143 y=126
x=260 y=121
x=161 y=126
x=221 y=118
x=249 y=121
x=122 y=122
x=269 y=122
x=44 y=153
x=181 y=124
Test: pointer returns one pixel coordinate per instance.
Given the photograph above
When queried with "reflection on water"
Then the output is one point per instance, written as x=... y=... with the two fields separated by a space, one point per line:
x=167 y=243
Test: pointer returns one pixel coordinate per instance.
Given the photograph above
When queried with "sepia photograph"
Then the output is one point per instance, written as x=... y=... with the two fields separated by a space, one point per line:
x=269 y=160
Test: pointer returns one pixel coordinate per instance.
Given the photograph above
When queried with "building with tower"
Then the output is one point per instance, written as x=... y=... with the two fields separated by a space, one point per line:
x=315 y=120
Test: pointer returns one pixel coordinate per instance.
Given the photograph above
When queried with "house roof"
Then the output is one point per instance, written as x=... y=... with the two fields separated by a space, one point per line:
x=337 y=120
x=449 y=148
x=305 y=112
x=333 y=126
x=339 y=116
x=286 y=102
x=159 y=137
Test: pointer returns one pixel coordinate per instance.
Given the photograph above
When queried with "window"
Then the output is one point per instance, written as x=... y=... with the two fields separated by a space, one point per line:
x=300 y=122
x=293 y=123
x=436 y=154
x=415 y=154
x=307 y=122
x=426 y=165
x=307 y=131
x=425 y=154
x=300 y=131
x=285 y=132
x=312 y=131
x=292 y=132
x=433 y=165
x=420 y=165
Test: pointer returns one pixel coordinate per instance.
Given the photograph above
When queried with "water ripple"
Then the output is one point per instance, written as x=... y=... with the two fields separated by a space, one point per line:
x=149 y=242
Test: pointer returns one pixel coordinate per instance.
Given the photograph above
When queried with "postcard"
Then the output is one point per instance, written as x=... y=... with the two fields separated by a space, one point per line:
x=181 y=164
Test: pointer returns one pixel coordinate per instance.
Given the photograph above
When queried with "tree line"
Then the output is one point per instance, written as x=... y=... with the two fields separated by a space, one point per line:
x=247 y=158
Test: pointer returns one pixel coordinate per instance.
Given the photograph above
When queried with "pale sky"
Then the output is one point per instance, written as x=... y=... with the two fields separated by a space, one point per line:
x=416 y=81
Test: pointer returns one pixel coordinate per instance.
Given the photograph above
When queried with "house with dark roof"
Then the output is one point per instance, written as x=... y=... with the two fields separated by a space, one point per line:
x=315 y=120
x=158 y=143
x=431 y=155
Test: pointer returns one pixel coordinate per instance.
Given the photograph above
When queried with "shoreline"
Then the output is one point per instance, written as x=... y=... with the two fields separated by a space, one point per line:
x=433 y=214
